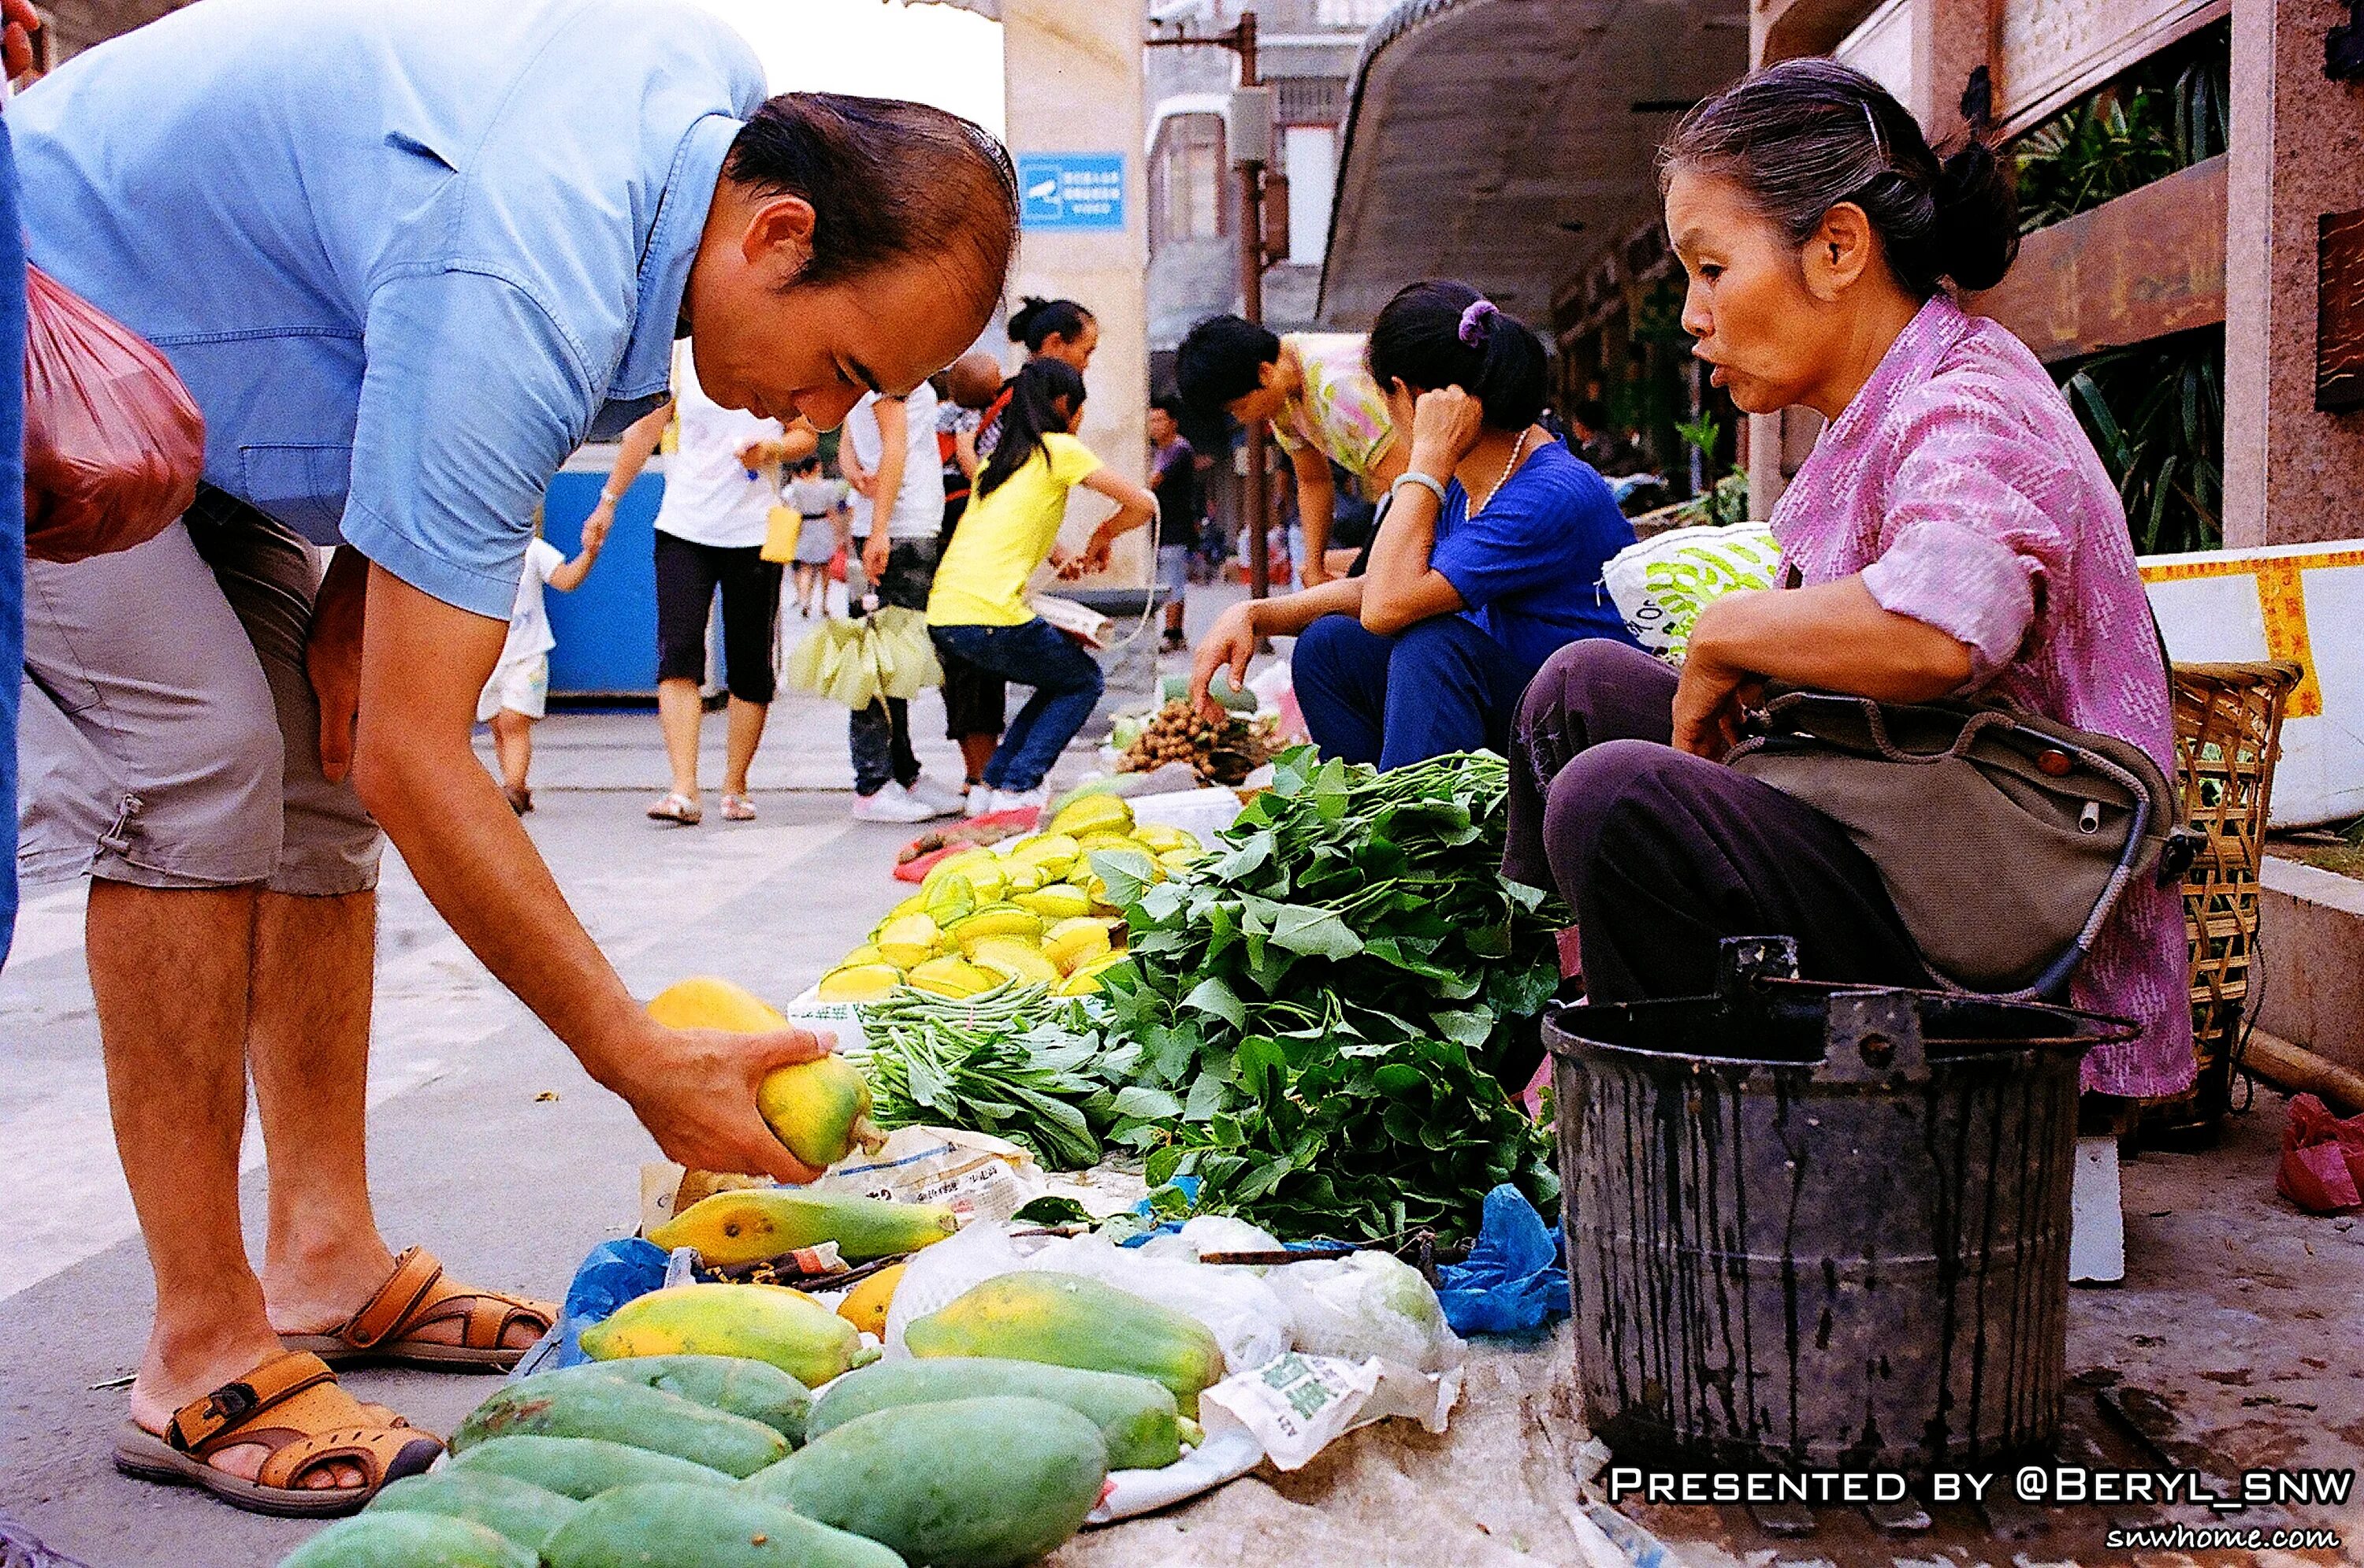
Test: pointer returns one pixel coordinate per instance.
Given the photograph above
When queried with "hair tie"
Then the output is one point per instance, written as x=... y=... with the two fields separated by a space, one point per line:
x=1474 y=319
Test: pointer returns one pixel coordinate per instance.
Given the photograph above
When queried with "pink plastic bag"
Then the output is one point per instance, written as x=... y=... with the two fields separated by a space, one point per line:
x=114 y=444
x=2322 y=1158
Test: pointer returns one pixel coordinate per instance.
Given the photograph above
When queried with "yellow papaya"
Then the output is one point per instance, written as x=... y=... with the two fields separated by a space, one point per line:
x=760 y=1322
x=820 y=1109
x=703 y=1002
x=1069 y=1320
x=735 y=1228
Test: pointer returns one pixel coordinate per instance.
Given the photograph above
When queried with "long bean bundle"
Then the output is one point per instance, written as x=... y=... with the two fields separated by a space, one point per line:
x=999 y=1063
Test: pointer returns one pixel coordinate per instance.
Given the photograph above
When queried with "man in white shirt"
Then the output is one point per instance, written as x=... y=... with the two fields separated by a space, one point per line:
x=721 y=482
x=889 y=453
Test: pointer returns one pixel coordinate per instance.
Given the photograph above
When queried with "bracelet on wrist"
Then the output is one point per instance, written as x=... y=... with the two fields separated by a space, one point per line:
x=1427 y=482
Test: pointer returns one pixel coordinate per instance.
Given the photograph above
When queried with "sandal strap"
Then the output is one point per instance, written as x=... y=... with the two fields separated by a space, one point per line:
x=283 y=1377
x=384 y=1314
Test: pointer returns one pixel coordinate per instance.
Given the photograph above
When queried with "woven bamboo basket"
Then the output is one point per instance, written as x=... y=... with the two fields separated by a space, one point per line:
x=2229 y=720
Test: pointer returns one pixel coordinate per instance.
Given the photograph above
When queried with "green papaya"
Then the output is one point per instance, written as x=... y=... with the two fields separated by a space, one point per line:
x=757 y=1390
x=967 y=1484
x=623 y=1412
x=408 y=1541
x=579 y=1467
x=1137 y=1418
x=697 y=1527
x=1068 y=1320
x=518 y=1509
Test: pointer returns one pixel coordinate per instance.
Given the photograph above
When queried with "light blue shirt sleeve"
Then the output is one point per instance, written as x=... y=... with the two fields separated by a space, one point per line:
x=473 y=396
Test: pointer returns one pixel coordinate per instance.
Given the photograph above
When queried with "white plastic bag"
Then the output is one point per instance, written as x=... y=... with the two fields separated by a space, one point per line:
x=1662 y=584
x=1369 y=1305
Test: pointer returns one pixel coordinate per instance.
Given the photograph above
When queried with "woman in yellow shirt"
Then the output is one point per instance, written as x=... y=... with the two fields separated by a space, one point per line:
x=978 y=610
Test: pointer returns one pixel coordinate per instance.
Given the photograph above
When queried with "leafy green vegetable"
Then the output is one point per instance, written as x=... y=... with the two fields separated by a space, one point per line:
x=1326 y=999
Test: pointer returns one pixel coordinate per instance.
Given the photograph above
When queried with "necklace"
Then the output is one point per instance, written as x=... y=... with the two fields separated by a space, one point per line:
x=1508 y=469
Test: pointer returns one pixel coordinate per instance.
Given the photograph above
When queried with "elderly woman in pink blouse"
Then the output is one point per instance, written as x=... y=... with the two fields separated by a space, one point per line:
x=1952 y=533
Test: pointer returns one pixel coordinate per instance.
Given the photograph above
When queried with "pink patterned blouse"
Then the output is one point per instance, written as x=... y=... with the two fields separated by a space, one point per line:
x=1959 y=485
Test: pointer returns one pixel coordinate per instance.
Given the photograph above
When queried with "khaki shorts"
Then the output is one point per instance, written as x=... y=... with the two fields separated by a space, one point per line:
x=170 y=738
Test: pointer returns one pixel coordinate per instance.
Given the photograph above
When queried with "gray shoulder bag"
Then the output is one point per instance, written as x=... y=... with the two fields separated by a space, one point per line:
x=2005 y=839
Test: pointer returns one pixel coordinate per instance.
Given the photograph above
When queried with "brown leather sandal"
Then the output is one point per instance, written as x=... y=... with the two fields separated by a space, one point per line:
x=385 y=1330
x=292 y=1406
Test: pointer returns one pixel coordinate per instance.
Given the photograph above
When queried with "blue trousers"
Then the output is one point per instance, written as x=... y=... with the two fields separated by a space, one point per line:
x=12 y=521
x=1438 y=685
x=1067 y=684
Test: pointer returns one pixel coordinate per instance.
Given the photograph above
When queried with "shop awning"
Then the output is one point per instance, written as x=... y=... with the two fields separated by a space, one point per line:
x=1509 y=142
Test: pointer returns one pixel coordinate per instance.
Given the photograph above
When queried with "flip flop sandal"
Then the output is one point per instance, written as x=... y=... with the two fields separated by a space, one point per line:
x=677 y=808
x=292 y=1406
x=385 y=1330
x=738 y=808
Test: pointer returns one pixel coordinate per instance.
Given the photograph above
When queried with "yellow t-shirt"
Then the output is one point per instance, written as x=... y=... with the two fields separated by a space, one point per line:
x=1004 y=537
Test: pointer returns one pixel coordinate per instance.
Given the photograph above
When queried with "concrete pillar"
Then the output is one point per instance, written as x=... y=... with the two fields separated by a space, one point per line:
x=1073 y=73
x=2292 y=474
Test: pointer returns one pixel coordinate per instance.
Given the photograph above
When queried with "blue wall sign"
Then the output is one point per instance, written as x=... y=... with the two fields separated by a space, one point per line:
x=1073 y=191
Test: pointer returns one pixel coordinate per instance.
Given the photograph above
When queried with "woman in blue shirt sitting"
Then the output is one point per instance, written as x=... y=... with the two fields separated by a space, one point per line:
x=1486 y=562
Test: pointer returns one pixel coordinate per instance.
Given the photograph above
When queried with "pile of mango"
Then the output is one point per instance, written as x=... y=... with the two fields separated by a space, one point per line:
x=1031 y=909
x=719 y=1426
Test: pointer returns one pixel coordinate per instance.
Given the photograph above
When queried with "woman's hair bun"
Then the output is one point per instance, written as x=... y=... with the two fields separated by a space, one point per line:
x=1977 y=218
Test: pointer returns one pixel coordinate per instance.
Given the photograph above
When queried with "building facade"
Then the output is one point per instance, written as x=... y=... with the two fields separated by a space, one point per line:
x=1307 y=52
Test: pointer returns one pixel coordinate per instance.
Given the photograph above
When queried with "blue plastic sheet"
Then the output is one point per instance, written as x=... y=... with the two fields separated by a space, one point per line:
x=1513 y=1283
x=614 y=1273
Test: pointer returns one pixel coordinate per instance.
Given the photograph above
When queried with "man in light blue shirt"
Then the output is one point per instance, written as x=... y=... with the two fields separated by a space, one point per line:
x=406 y=257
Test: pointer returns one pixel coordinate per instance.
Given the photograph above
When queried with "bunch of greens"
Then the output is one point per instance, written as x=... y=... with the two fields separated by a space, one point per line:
x=1003 y=1063
x=1319 y=1011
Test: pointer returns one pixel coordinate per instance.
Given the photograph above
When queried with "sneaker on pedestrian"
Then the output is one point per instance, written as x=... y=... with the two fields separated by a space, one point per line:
x=893 y=803
x=1038 y=797
x=976 y=800
x=927 y=793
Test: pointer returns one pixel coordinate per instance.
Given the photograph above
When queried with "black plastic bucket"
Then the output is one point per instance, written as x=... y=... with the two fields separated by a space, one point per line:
x=1813 y=1228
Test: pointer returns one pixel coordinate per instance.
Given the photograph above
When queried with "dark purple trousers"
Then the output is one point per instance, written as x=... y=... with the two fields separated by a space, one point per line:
x=1663 y=854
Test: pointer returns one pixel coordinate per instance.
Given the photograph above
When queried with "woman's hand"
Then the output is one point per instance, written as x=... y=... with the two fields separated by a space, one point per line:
x=1712 y=698
x=1231 y=641
x=1445 y=425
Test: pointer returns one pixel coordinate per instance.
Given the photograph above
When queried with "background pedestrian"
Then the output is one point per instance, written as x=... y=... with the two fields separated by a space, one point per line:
x=513 y=698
